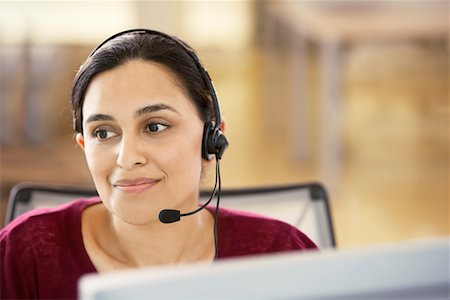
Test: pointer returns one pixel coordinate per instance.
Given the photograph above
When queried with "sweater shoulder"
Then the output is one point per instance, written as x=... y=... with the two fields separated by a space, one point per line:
x=44 y=222
x=242 y=233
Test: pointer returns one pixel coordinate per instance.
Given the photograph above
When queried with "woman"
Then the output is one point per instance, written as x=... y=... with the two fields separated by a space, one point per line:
x=144 y=111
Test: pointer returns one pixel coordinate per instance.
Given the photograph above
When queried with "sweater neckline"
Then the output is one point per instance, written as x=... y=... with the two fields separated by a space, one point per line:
x=81 y=249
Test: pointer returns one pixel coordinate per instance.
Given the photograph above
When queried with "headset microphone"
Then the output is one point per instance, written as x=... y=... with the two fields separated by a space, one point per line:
x=168 y=216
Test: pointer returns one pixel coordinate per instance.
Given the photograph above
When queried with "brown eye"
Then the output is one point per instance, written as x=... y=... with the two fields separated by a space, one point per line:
x=156 y=127
x=103 y=134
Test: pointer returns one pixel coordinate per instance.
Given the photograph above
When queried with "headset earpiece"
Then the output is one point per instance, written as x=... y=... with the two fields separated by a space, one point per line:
x=214 y=142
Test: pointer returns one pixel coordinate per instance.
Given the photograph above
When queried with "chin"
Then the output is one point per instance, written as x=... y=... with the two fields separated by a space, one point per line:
x=133 y=211
x=138 y=218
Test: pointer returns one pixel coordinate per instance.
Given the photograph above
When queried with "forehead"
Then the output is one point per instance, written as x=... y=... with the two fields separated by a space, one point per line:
x=135 y=83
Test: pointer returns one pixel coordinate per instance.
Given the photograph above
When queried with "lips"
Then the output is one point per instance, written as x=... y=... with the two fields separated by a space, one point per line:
x=136 y=185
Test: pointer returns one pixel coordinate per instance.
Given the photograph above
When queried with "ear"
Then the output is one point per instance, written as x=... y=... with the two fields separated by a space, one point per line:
x=223 y=125
x=80 y=140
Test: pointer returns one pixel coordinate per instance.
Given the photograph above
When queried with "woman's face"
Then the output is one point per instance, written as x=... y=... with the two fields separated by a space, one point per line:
x=142 y=140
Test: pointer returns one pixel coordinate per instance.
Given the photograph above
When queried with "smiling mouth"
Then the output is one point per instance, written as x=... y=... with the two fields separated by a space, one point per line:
x=135 y=186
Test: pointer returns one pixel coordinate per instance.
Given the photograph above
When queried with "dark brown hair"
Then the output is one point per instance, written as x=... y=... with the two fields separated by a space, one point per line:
x=169 y=52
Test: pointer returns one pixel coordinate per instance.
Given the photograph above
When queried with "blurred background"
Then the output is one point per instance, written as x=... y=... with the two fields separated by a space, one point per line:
x=352 y=94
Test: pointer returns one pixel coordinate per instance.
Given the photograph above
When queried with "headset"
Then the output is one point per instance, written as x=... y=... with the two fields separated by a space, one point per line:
x=214 y=142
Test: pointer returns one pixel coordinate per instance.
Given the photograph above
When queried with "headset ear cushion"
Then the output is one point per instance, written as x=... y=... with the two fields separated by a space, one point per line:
x=221 y=144
x=208 y=136
x=214 y=142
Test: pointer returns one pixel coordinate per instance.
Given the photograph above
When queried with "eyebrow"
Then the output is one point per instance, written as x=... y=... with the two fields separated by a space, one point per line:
x=153 y=108
x=142 y=111
x=99 y=117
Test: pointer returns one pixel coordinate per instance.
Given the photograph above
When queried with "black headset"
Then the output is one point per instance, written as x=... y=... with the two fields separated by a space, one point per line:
x=214 y=142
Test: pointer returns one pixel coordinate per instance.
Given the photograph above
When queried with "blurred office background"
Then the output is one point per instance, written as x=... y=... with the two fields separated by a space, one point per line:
x=353 y=94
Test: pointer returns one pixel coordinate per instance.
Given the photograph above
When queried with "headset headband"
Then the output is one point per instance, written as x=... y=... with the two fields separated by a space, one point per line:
x=207 y=79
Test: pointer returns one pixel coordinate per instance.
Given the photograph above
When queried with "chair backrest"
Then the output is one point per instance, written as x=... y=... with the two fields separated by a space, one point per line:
x=302 y=205
x=26 y=196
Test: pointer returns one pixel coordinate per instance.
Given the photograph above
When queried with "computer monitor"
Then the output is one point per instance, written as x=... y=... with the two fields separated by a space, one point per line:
x=412 y=270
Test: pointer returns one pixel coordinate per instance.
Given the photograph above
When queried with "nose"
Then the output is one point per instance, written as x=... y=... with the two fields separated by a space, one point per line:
x=131 y=153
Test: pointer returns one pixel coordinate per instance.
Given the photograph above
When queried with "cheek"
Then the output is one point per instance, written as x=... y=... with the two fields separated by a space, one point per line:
x=98 y=162
x=186 y=157
x=183 y=163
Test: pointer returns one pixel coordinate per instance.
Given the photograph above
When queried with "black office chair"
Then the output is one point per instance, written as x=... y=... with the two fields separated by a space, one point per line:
x=302 y=205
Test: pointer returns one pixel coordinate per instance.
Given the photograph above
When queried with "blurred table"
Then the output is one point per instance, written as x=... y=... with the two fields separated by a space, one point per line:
x=58 y=161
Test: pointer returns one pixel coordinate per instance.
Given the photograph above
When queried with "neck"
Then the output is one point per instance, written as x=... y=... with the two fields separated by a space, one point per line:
x=190 y=239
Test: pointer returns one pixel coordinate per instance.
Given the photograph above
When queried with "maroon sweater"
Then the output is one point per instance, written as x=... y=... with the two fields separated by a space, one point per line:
x=42 y=254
